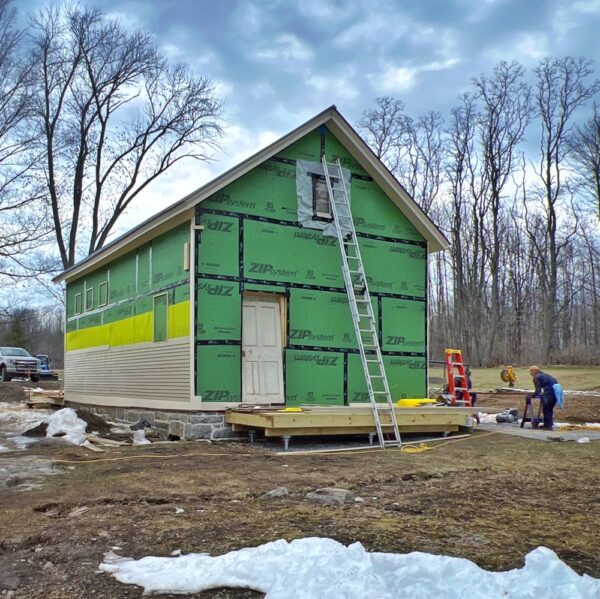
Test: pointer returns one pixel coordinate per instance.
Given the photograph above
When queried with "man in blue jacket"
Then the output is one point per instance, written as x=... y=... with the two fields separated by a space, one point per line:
x=544 y=388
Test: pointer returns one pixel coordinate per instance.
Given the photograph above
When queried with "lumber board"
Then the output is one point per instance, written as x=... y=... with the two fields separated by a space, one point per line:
x=343 y=430
x=103 y=441
x=336 y=419
x=40 y=405
x=92 y=447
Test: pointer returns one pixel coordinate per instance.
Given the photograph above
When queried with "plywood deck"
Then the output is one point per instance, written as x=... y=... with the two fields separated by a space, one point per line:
x=347 y=420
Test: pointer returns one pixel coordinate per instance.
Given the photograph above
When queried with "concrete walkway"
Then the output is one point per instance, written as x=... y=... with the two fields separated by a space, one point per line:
x=539 y=435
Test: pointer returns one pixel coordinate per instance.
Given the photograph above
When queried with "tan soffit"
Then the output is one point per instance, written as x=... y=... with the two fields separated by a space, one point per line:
x=339 y=126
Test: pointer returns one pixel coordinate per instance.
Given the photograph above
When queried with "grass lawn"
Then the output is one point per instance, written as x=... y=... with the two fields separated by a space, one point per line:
x=570 y=377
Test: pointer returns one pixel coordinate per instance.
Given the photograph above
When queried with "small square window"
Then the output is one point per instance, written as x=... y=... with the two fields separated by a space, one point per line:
x=103 y=294
x=89 y=299
x=78 y=304
x=321 y=203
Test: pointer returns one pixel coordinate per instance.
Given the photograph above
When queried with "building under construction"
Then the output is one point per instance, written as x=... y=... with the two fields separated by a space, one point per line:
x=235 y=295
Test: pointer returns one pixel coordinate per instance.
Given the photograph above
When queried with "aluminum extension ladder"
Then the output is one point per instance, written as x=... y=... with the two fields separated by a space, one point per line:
x=361 y=308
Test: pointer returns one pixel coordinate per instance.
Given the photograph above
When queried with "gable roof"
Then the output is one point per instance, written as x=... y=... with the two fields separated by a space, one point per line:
x=347 y=136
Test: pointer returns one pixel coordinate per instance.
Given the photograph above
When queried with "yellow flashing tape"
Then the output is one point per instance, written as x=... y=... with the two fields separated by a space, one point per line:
x=179 y=320
x=135 y=329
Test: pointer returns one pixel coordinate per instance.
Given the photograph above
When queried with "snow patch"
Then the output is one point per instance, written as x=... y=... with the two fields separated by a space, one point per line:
x=139 y=438
x=317 y=568
x=67 y=423
x=485 y=418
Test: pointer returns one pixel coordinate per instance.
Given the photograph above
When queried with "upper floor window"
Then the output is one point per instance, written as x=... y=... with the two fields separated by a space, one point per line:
x=103 y=294
x=321 y=201
x=89 y=299
x=78 y=303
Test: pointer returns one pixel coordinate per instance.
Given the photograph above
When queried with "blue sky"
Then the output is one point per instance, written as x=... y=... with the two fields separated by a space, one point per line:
x=277 y=63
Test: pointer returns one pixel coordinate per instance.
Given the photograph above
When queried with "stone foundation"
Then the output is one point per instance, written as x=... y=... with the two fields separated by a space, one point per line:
x=185 y=425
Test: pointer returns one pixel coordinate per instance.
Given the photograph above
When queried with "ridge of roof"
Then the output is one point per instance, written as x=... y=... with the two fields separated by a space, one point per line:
x=342 y=128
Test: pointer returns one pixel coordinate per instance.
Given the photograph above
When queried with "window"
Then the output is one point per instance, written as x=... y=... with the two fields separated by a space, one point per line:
x=103 y=294
x=161 y=310
x=78 y=306
x=89 y=299
x=321 y=203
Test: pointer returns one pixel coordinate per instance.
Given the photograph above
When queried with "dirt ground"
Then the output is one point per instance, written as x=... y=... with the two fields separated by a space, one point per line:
x=578 y=409
x=490 y=498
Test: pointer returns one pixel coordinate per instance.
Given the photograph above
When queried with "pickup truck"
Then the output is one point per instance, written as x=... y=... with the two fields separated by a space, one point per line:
x=17 y=362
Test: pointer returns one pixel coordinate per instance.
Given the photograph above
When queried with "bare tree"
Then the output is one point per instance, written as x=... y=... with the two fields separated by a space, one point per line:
x=22 y=228
x=524 y=260
x=383 y=128
x=505 y=113
x=112 y=115
x=420 y=157
x=463 y=235
x=562 y=86
x=584 y=156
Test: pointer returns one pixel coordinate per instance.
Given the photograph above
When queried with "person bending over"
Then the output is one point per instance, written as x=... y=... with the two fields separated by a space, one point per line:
x=544 y=389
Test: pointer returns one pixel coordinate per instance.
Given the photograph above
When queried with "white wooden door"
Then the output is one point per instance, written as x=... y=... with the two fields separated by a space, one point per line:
x=262 y=356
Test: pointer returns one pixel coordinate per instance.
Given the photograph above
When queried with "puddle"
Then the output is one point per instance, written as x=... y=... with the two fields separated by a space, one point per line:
x=25 y=473
x=15 y=419
x=22 y=473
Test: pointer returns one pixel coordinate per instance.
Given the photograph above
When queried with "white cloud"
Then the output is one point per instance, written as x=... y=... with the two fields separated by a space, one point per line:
x=327 y=12
x=172 y=51
x=223 y=88
x=402 y=79
x=525 y=47
x=286 y=48
x=479 y=10
x=381 y=28
x=334 y=86
x=249 y=19
x=571 y=16
x=395 y=79
x=590 y=7
x=262 y=90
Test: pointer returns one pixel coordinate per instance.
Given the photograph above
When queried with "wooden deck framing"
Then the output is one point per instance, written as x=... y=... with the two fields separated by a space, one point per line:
x=346 y=420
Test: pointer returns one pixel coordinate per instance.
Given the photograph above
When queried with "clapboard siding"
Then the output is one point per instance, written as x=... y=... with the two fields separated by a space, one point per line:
x=155 y=372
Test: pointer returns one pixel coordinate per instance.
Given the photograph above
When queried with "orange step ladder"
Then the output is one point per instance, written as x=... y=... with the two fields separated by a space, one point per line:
x=455 y=369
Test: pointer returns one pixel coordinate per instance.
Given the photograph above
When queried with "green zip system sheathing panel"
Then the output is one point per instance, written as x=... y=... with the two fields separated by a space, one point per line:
x=133 y=280
x=252 y=242
x=375 y=214
x=218 y=368
x=250 y=195
x=290 y=254
x=321 y=319
x=404 y=325
x=218 y=254
x=314 y=378
x=218 y=310
x=406 y=378
x=409 y=260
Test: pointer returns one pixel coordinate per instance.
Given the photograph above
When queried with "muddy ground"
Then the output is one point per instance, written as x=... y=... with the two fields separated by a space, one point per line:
x=490 y=498
x=577 y=409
